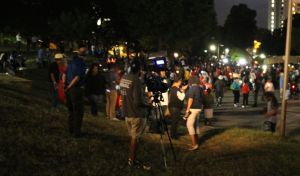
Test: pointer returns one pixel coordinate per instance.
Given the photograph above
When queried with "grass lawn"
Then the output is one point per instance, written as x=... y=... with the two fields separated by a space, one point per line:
x=35 y=141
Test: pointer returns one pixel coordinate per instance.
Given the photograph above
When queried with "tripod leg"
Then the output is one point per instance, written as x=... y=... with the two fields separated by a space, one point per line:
x=165 y=126
x=161 y=130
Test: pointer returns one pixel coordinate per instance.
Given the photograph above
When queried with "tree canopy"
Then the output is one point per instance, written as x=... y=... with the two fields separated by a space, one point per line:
x=240 y=26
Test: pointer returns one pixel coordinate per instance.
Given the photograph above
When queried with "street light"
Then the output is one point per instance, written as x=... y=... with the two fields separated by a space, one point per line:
x=176 y=55
x=262 y=56
x=213 y=48
x=99 y=22
x=227 y=51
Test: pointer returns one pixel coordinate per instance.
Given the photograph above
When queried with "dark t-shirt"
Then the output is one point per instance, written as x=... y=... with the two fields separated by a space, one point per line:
x=174 y=101
x=133 y=96
x=196 y=93
x=95 y=84
x=53 y=68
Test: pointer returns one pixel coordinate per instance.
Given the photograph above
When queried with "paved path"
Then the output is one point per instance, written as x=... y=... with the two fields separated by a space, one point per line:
x=250 y=117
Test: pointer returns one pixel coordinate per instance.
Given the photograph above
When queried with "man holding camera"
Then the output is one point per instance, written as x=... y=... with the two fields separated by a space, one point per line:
x=134 y=108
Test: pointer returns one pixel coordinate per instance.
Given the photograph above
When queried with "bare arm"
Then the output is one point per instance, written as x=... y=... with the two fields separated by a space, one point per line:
x=189 y=104
x=53 y=80
x=73 y=82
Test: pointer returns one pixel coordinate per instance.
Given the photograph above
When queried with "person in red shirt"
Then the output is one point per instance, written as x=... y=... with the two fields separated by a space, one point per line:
x=245 y=92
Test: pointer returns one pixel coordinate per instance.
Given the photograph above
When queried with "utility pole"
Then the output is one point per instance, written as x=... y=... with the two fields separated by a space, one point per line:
x=286 y=62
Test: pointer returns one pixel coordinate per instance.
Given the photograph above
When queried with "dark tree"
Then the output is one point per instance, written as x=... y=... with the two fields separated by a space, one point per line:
x=240 y=26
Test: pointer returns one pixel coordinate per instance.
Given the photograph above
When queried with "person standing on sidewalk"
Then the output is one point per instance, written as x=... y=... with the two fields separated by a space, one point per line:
x=219 y=87
x=235 y=87
x=74 y=89
x=245 y=92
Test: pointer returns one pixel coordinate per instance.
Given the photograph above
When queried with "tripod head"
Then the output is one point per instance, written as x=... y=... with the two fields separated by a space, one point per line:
x=157 y=97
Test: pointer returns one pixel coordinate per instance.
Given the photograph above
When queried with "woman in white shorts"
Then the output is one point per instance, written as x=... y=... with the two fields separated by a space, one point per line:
x=193 y=110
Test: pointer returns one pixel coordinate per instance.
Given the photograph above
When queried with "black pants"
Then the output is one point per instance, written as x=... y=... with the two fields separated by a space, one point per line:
x=236 y=94
x=94 y=102
x=219 y=96
x=175 y=117
x=255 y=97
x=245 y=99
x=76 y=110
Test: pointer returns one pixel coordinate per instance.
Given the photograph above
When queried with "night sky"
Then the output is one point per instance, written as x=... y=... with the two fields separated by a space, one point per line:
x=261 y=6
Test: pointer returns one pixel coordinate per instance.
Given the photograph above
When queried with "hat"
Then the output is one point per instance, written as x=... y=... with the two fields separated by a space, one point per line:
x=58 y=56
x=220 y=77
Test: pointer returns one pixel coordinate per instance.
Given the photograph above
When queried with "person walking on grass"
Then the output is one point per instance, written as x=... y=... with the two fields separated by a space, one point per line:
x=94 y=88
x=245 y=92
x=177 y=95
x=74 y=90
x=271 y=112
x=111 y=93
x=134 y=109
x=193 y=110
x=208 y=103
x=54 y=77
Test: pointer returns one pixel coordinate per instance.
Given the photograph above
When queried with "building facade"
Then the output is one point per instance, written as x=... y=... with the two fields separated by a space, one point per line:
x=277 y=13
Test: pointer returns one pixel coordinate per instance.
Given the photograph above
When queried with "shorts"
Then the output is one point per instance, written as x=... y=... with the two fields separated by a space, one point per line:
x=208 y=113
x=135 y=126
x=192 y=123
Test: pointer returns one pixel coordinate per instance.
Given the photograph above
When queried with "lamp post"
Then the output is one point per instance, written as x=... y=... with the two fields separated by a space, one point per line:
x=286 y=62
x=215 y=48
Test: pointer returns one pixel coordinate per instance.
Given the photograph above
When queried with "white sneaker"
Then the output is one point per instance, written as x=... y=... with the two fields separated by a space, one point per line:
x=115 y=119
x=235 y=105
x=243 y=106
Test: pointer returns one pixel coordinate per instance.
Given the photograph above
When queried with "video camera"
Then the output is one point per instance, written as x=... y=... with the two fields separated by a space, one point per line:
x=157 y=64
x=153 y=80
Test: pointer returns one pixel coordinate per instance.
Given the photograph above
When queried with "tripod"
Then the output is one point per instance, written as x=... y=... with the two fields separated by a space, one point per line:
x=163 y=127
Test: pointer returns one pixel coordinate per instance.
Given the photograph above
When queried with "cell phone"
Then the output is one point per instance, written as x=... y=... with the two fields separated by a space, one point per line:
x=185 y=117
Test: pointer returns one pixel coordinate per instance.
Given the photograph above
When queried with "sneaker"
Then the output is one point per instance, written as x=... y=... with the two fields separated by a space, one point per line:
x=137 y=164
x=195 y=147
x=235 y=105
x=243 y=106
x=115 y=119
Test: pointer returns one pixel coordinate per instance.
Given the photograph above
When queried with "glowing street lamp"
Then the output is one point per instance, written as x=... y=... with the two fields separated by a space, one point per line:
x=242 y=61
x=176 y=55
x=213 y=48
x=227 y=51
x=262 y=56
x=99 y=22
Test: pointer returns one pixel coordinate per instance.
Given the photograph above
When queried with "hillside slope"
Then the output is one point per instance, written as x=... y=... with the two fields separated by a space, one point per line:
x=35 y=141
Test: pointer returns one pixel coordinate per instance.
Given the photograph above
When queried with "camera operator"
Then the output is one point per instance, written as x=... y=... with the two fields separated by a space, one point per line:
x=134 y=108
x=176 y=98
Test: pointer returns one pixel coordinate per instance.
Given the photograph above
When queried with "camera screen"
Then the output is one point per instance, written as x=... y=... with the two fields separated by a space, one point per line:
x=160 y=62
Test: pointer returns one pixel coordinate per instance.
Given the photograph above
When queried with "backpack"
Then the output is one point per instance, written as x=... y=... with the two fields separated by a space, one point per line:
x=234 y=86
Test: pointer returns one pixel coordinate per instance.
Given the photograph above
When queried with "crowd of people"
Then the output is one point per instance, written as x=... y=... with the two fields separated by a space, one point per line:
x=189 y=94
